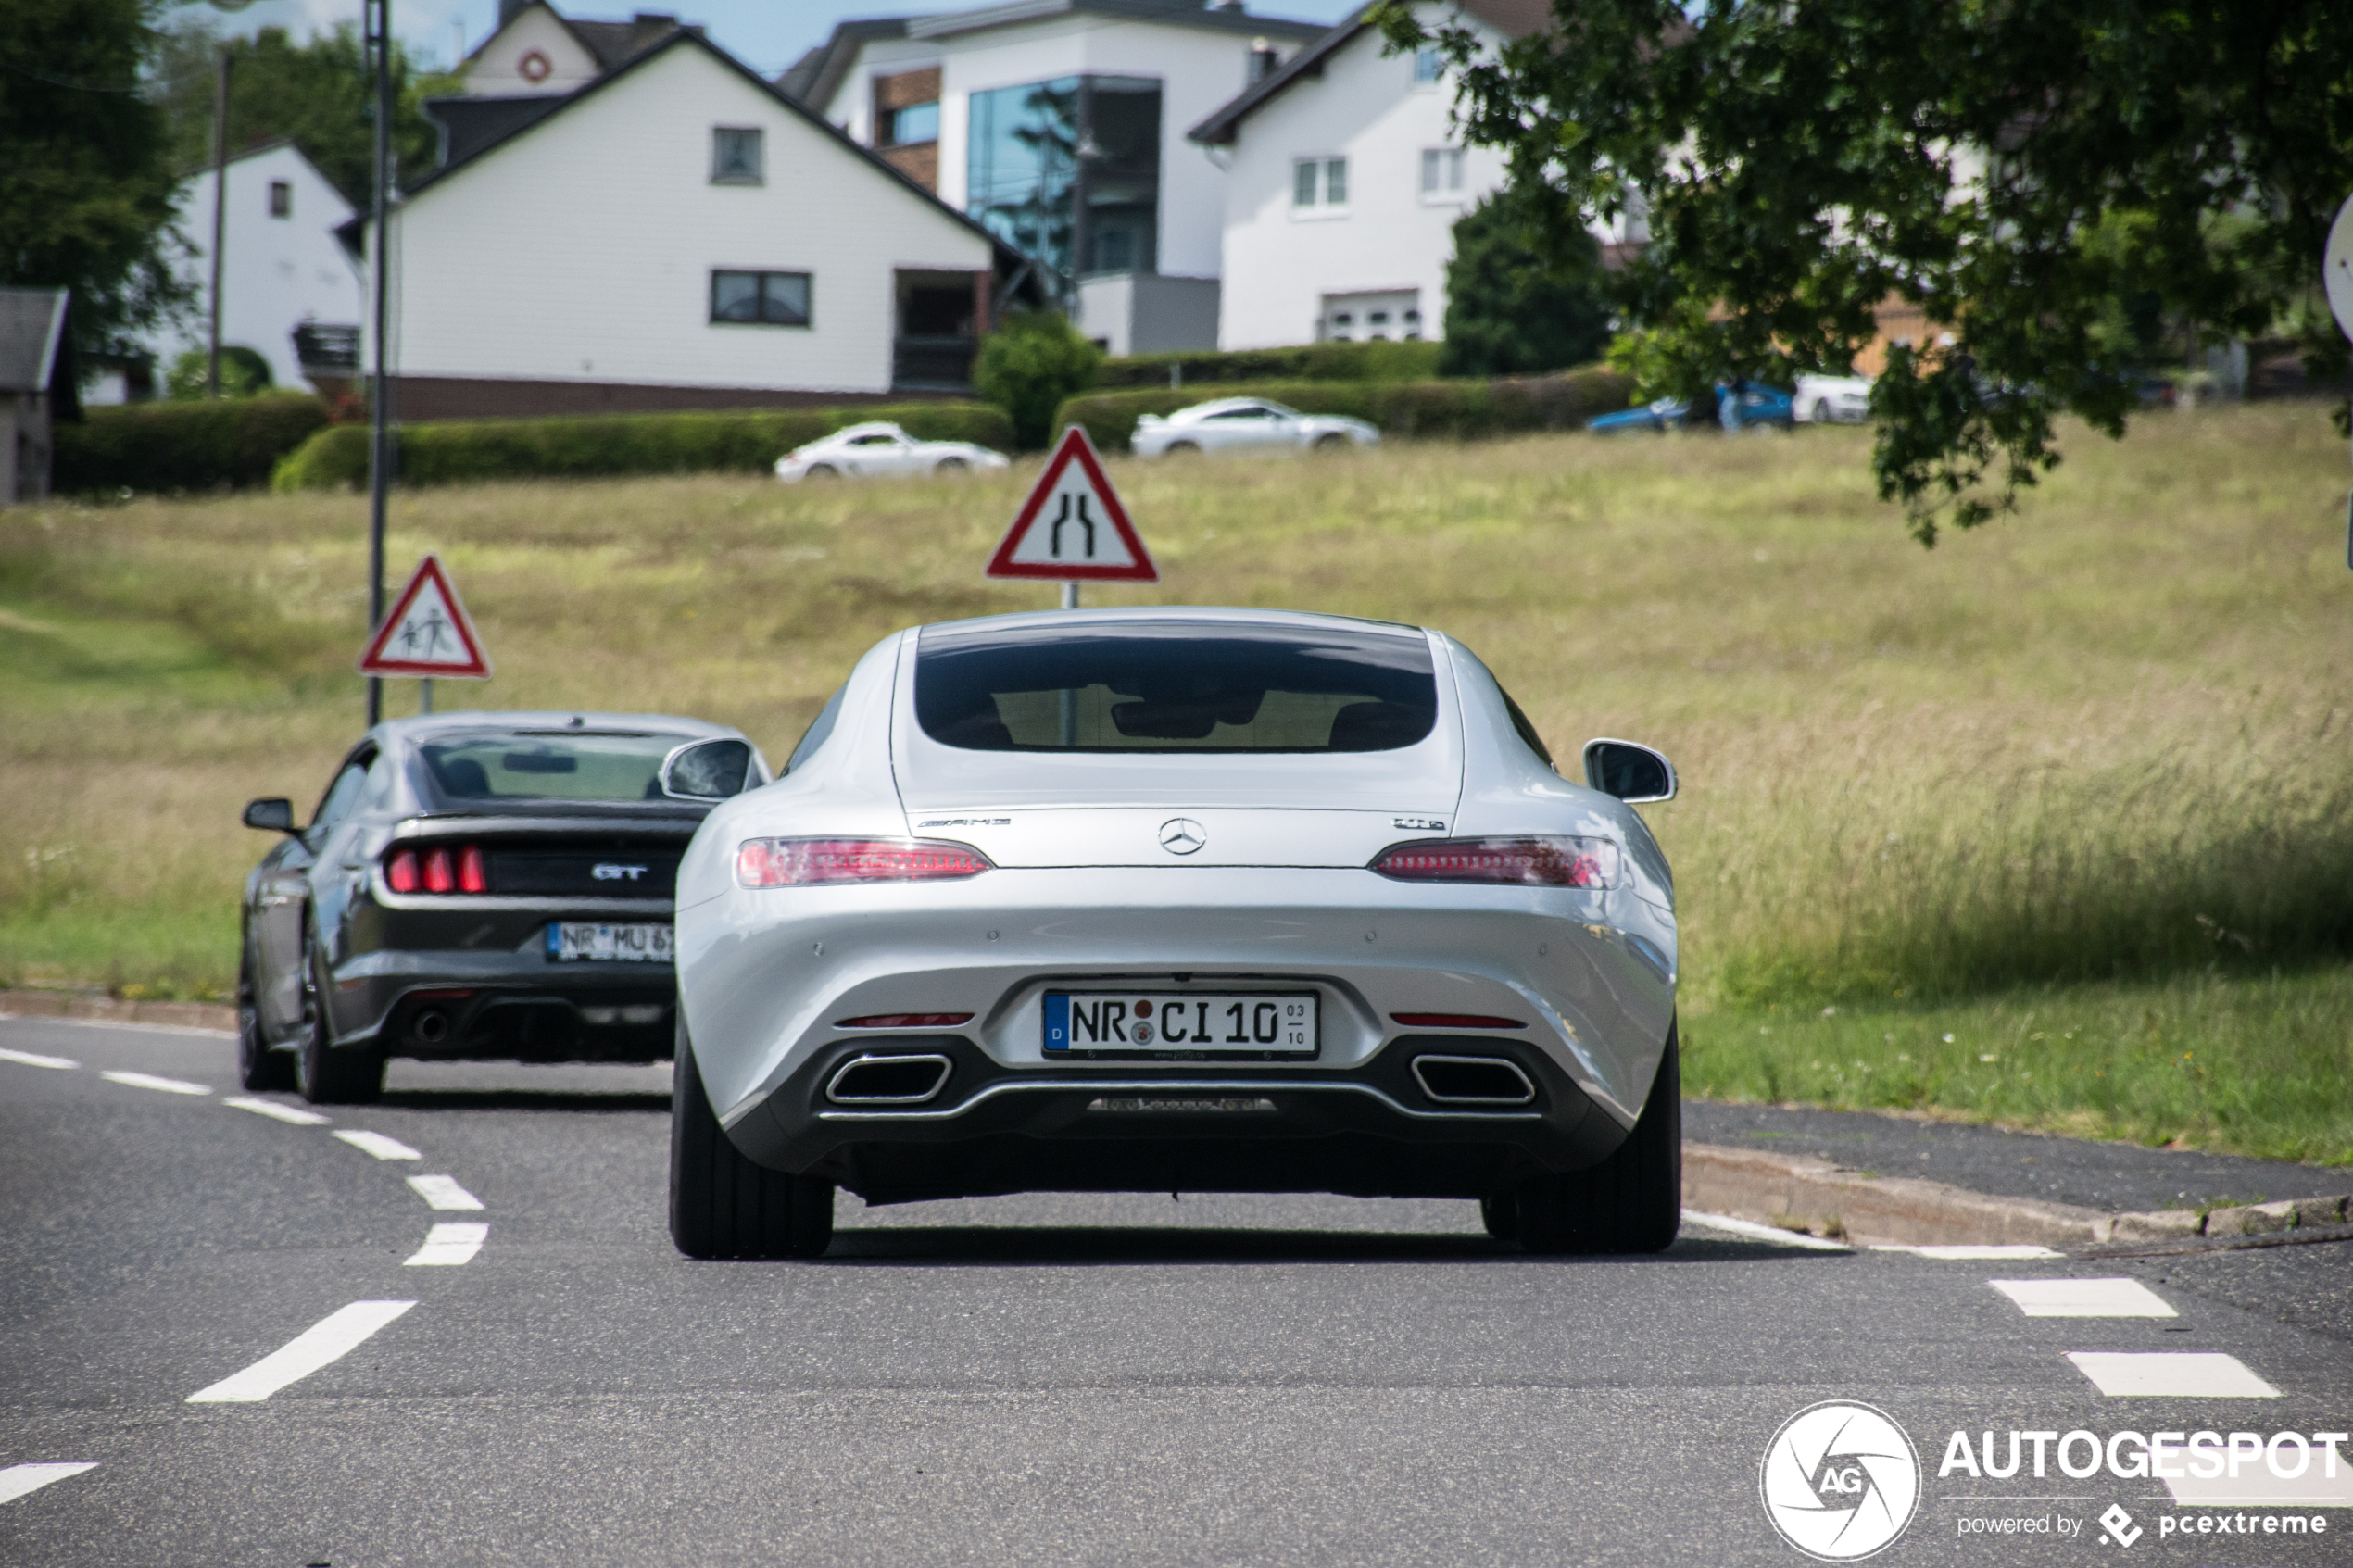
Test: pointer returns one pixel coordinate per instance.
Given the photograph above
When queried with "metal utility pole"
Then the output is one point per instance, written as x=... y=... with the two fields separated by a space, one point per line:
x=378 y=42
x=219 y=219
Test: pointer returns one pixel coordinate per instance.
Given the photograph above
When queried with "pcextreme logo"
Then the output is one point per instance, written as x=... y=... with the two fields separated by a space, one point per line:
x=1840 y=1481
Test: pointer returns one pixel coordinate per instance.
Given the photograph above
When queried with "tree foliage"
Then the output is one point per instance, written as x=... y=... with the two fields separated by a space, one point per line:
x=1515 y=304
x=1800 y=163
x=1029 y=365
x=317 y=94
x=85 y=182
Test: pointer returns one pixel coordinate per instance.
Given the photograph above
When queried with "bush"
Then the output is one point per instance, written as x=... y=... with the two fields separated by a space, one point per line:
x=1458 y=408
x=1310 y=361
x=737 y=441
x=1515 y=303
x=243 y=373
x=231 y=441
x=1029 y=366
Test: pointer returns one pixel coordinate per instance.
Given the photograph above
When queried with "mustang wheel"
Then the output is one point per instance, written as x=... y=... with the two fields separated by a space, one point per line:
x=1630 y=1202
x=258 y=1067
x=721 y=1205
x=355 y=1076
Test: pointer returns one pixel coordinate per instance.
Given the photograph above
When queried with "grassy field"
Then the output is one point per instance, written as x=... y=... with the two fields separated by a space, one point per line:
x=2072 y=791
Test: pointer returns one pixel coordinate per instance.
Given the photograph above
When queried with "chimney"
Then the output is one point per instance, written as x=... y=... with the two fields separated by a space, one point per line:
x=509 y=9
x=1262 y=59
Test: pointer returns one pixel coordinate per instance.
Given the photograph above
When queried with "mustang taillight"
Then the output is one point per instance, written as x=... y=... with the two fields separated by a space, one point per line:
x=438 y=869
x=1547 y=861
x=802 y=862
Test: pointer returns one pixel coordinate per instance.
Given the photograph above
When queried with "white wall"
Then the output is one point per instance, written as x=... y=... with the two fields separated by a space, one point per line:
x=1279 y=261
x=582 y=249
x=277 y=271
x=496 y=69
x=1199 y=70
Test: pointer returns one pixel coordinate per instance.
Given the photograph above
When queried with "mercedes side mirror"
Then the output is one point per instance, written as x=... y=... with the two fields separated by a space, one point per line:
x=1634 y=774
x=273 y=815
x=709 y=769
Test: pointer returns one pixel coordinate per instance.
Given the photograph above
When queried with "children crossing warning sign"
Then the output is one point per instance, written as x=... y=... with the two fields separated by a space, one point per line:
x=427 y=632
x=1073 y=528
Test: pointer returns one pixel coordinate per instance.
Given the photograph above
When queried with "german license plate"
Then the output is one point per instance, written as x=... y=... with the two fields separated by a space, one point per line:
x=1261 y=1023
x=577 y=941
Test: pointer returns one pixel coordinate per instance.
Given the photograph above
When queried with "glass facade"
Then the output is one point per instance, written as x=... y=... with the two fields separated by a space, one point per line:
x=1067 y=173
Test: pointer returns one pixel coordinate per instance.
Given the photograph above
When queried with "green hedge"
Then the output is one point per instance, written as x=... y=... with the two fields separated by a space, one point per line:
x=746 y=441
x=1458 y=408
x=140 y=446
x=1313 y=361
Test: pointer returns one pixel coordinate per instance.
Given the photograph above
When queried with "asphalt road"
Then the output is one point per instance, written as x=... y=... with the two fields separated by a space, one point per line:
x=1041 y=1380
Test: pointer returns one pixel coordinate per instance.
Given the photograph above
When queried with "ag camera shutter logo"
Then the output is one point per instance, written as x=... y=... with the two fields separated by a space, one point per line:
x=1840 y=1481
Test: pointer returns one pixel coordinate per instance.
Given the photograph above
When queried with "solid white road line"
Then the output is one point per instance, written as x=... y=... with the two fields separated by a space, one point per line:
x=1756 y=1231
x=330 y=1339
x=449 y=1244
x=1983 y=1254
x=2083 y=1297
x=149 y=1081
x=443 y=1192
x=378 y=1145
x=2256 y=1485
x=34 y=1058
x=2177 y=1374
x=277 y=1113
x=18 y=1479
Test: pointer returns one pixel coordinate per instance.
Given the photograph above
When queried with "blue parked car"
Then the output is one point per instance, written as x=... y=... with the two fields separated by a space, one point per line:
x=1666 y=413
x=1748 y=403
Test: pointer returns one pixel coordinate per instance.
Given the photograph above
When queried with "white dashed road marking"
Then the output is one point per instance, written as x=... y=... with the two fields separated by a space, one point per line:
x=2258 y=1486
x=329 y=1339
x=18 y=1479
x=378 y=1145
x=1756 y=1231
x=149 y=1081
x=1986 y=1253
x=451 y=1243
x=34 y=1058
x=2179 y=1375
x=2083 y=1297
x=443 y=1192
x=276 y=1112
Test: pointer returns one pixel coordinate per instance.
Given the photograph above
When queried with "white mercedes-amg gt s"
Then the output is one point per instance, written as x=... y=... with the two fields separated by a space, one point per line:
x=1155 y=899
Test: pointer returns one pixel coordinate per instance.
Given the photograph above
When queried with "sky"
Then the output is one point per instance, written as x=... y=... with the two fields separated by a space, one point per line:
x=766 y=34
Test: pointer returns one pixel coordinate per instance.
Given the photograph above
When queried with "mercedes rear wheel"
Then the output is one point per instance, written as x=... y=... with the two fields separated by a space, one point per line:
x=722 y=1205
x=1630 y=1202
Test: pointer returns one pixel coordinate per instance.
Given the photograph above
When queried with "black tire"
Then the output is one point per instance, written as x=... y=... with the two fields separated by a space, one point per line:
x=1822 y=411
x=721 y=1204
x=1181 y=449
x=260 y=1069
x=1331 y=441
x=952 y=465
x=823 y=471
x=354 y=1075
x=1630 y=1202
x=1499 y=1213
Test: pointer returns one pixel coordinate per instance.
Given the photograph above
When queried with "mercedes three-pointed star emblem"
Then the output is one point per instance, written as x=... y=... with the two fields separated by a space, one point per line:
x=1182 y=835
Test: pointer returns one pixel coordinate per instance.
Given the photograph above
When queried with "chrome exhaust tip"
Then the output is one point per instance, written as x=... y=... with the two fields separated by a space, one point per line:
x=1473 y=1080
x=430 y=1028
x=888 y=1080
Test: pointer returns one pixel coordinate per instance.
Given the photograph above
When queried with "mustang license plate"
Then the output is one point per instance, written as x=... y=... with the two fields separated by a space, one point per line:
x=1258 y=1023
x=574 y=941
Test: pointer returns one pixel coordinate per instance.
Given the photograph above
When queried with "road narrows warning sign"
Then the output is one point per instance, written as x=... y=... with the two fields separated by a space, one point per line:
x=427 y=633
x=1073 y=528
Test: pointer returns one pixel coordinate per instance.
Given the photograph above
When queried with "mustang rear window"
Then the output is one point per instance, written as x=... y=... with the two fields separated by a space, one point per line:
x=565 y=765
x=1175 y=686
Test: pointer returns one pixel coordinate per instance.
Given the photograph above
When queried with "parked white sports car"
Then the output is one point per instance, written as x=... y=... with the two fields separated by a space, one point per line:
x=1234 y=423
x=1177 y=898
x=1824 y=400
x=877 y=448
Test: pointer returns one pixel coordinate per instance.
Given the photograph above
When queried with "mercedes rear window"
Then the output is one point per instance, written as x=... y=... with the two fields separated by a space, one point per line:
x=1175 y=686
x=548 y=765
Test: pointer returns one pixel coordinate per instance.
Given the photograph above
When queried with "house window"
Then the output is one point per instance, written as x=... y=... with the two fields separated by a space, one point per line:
x=771 y=299
x=1441 y=170
x=1324 y=177
x=1426 y=65
x=280 y=199
x=736 y=155
x=914 y=124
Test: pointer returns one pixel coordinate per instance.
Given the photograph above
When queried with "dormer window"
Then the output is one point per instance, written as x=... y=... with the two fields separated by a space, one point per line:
x=911 y=125
x=736 y=155
x=1426 y=65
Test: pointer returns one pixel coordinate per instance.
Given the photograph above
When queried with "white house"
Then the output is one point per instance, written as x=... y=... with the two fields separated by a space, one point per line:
x=1054 y=123
x=677 y=233
x=1345 y=175
x=282 y=266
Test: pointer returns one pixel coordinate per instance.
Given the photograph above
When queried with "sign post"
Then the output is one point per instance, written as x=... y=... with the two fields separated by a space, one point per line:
x=1073 y=528
x=428 y=634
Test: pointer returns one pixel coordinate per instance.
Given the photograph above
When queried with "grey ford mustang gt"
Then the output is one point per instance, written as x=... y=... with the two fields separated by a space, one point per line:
x=1153 y=900
x=477 y=885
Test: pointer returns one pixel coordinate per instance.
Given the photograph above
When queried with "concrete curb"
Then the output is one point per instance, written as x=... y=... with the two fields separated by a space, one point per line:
x=75 y=1004
x=1822 y=1199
